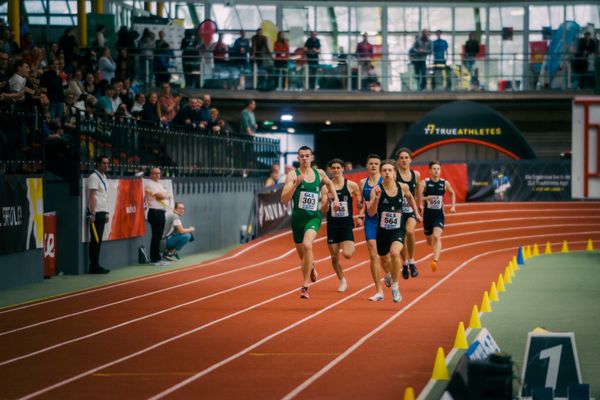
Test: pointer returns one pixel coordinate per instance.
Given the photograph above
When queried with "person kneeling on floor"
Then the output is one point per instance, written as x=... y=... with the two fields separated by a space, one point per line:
x=177 y=235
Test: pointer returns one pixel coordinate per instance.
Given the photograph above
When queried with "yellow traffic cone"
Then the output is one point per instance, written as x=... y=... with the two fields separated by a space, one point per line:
x=590 y=245
x=507 y=279
x=486 y=306
x=565 y=247
x=440 y=370
x=515 y=263
x=511 y=268
x=500 y=285
x=460 y=342
x=536 y=250
x=528 y=252
x=494 y=293
x=409 y=393
x=548 y=248
x=475 y=322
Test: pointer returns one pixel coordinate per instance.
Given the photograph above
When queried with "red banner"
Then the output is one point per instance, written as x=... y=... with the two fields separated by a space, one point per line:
x=49 y=244
x=128 y=216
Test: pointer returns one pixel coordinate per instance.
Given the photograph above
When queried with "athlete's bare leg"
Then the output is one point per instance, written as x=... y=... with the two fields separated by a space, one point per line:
x=409 y=249
x=348 y=248
x=437 y=242
x=334 y=251
x=395 y=260
x=375 y=265
x=305 y=251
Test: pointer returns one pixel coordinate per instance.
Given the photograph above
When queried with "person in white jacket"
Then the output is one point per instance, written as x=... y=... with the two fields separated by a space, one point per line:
x=106 y=65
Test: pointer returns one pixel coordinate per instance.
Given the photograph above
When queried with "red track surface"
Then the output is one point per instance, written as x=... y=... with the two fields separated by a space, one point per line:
x=236 y=327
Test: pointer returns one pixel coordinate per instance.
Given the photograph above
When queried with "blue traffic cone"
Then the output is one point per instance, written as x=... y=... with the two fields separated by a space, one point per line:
x=520 y=256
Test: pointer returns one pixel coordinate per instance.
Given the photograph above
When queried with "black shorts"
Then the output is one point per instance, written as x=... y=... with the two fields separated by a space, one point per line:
x=432 y=220
x=386 y=237
x=406 y=216
x=339 y=234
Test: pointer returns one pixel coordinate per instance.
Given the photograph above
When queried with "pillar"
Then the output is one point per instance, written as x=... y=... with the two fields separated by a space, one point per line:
x=148 y=6
x=82 y=23
x=160 y=9
x=98 y=6
x=14 y=19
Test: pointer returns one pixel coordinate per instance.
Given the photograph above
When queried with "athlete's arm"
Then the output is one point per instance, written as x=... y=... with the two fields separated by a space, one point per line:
x=375 y=194
x=421 y=190
x=327 y=182
x=452 y=196
x=417 y=186
x=411 y=200
x=291 y=183
x=360 y=203
x=324 y=200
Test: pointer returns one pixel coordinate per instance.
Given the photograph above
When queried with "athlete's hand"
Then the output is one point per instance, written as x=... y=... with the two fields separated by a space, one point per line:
x=299 y=180
x=336 y=205
x=376 y=192
x=453 y=210
x=419 y=218
x=360 y=221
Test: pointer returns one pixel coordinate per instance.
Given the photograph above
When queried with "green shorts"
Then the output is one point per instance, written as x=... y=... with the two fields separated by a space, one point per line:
x=301 y=225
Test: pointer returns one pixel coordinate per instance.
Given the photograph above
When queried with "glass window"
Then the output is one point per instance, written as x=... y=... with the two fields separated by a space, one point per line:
x=38 y=20
x=199 y=8
x=437 y=18
x=399 y=76
x=501 y=17
x=465 y=19
x=35 y=7
x=507 y=56
x=540 y=16
x=60 y=7
x=62 y=20
x=327 y=16
x=366 y=19
x=295 y=17
x=226 y=17
x=403 y=19
x=4 y=8
x=584 y=14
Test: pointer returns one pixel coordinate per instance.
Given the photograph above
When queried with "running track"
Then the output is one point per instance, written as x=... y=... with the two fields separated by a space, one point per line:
x=235 y=327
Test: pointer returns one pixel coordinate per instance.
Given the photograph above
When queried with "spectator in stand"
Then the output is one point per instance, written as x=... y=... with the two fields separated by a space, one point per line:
x=4 y=76
x=274 y=174
x=100 y=40
x=75 y=85
x=190 y=59
x=89 y=85
x=419 y=52
x=91 y=104
x=68 y=44
x=137 y=109
x=89 y=62
x=18 y=82
x=364 y=54
x=162 y=60
x=105 y=104
x=147 y=45
x=169 y=104
x=440 y=52
x=151 y=110
x=54 y=89
x=260 y=48
x=126 y=39
x=220 y=50
x=583 y=61
x=69 y=119
x=281 y=48
x=248 y=125
x=287 y=169
x=471 y=51
x=312 y=49
x=116 y=101
x=189 y=115
x=214 y=124
x=125 y=65
x=127 y=94
x=240 y=50
x=177 y=236
x=106 y=65
x=205 y=110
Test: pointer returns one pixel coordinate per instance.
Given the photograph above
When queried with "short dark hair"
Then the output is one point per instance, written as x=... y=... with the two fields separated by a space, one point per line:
x=336 y=161
x=434 y=162
x=404 y=150
x=100 y=158
x=178 y=203
x=387 y=161
x=249 y=101
x=304 y=148
x=376 y=156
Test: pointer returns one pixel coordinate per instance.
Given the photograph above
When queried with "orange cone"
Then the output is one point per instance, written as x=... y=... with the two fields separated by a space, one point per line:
x=440 y=370
x=460 y=342
x=475 y=322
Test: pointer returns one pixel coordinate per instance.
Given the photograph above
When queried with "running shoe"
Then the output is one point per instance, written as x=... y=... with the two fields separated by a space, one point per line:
x=396 y=296
x=387 y=279
x=376 y=297
x=168 y=257
x=405 y=271
x=161 y=263
x=313 y=274
x=343 y=285
x=304 y=293
x=414 y=272
x=433 y=265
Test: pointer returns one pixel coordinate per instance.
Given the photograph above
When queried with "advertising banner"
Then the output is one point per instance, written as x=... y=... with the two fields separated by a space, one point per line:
x=21 y=213
x=270 y=213
x=126 y=210
x=49 y=244
x=520 y=181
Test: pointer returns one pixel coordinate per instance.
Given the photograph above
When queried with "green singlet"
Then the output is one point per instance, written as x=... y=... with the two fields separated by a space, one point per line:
x=306 y=213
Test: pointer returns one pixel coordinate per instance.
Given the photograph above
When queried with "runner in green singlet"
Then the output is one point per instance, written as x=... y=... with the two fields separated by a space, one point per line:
x=303 y=185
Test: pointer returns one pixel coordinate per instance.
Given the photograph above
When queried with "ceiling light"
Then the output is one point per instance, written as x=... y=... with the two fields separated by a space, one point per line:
x=291 y=130
x=287 y=117
x=328 y=122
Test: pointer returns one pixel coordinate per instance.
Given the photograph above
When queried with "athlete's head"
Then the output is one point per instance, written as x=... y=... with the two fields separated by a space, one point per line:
x=336 y=166
x=373 y=163
x=435 y=168
x=305 y=156
x=403 y=158
x=388 y=170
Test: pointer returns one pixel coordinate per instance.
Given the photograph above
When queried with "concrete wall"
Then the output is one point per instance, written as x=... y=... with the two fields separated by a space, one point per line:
x=217 y=207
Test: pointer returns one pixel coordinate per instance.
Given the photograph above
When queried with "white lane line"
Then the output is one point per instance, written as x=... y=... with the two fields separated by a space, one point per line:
x=431 y=383
x=362 y=340
x=252 y=246
x=244 y=268
x=179 y=336
x=166 y=341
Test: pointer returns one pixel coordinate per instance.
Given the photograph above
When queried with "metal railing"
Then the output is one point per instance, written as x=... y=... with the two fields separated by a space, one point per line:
x=389 y=72
x=133 y=146
x=21 y=139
